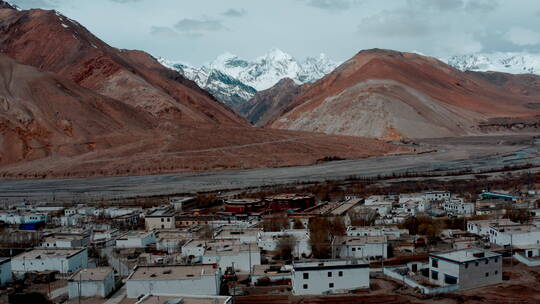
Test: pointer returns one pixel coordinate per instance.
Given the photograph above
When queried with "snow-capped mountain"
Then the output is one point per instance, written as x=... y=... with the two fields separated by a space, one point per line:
x=234 y=80
x=225 y=88
x=514 y=63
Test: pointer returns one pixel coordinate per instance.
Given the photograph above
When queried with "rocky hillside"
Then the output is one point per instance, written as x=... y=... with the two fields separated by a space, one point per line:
x=52 y=42
x=270 y=103
x=392 y=95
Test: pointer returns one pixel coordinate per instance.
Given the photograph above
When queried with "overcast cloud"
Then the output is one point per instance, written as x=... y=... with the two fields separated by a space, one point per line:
x=198 y=31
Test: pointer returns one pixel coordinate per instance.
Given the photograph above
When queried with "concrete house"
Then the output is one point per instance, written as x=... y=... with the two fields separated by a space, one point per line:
x=136 y=239
x=458 y=208
x=514 y=235
x=245 y=235
x=91 y=282
x=482 y=227
x=174 y=280
x=362 y=246
x=62 y=260
x=6 y=274
x=329 y=276
x=241 y=256
x=160 y=219
x=468 y=268
x=270 y=240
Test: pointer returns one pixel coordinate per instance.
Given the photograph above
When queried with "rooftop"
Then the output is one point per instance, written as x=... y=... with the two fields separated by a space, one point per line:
x=270 y=270
x=48 y=253
x=188 y=299
x=171 y=272
x=161 y=213
x=361 y=240
x=92 y=274
x=236 y=233
x=336 y=263
x=466 y=255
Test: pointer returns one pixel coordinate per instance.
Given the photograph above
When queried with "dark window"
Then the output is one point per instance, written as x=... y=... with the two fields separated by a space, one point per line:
x=487 y=262
x=169 y=219
x=466 y=265
x=162 y=220
x=331 y=285
x=487 y=274
x=305 y=286
x=496 y=260
x=306 y=276
x=476 y=264
x=340 y=273
x=434 y=263
x=496 y=272
x=434 y=275
x=354 y=249
x=329 y=274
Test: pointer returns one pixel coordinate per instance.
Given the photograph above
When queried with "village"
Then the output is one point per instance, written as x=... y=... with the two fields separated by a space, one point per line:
x=281 y=247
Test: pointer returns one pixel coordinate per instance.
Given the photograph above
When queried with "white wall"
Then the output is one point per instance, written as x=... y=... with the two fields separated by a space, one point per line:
x=241 y=260
x=100 y=289
x=318 y=281
x=204 y=285
x=5 y=273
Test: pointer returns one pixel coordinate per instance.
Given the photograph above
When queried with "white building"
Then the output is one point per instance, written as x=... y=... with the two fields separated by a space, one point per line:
x=361 y=247
x=37 y=260
x=6 y=274
x=245 y=235
x=91 y=282
x=437 y=196
x=136 y=239
x=197 y=248
x=392 y=232
x=17 y=218
x=482 y=227
x=162 y=218
x=271 y=272
x=514 y=235
x=270 y=240
x=458 y=208
x=241 y=256
x=468 y=268
x=66 y=241
x=329 y=276
x=174 y=280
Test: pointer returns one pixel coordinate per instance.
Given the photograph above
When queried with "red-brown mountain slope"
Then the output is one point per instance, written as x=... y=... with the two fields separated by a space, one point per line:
x=52 y=42
x=388 y=94
x=42 y=115
x=270 y=103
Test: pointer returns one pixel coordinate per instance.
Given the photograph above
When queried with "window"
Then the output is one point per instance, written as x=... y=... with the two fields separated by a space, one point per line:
x=305 y=286
x=306 y=276
x=162 y=220
x=496 y=272
x=168 y=219
x=466 y=265
x=329 y=274
x=434 y=263
x=496 y=260
x=487 y=274
x=353 y=249
x=434 y=275
x=476 y=264
x=487 y=262
x=331 y=285
x=340 y=273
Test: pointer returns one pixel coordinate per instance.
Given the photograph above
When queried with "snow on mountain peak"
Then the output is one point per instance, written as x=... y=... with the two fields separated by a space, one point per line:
x=512 y=62
x=234 y=80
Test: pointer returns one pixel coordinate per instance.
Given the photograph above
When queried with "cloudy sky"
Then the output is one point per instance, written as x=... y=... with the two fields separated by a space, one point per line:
x=196 y=31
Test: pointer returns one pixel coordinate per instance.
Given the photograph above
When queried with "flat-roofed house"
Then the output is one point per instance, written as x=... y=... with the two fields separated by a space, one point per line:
x=468 y=268
x=174 y=280
x=91 y=282
x=48 y=259
x=329 y=276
